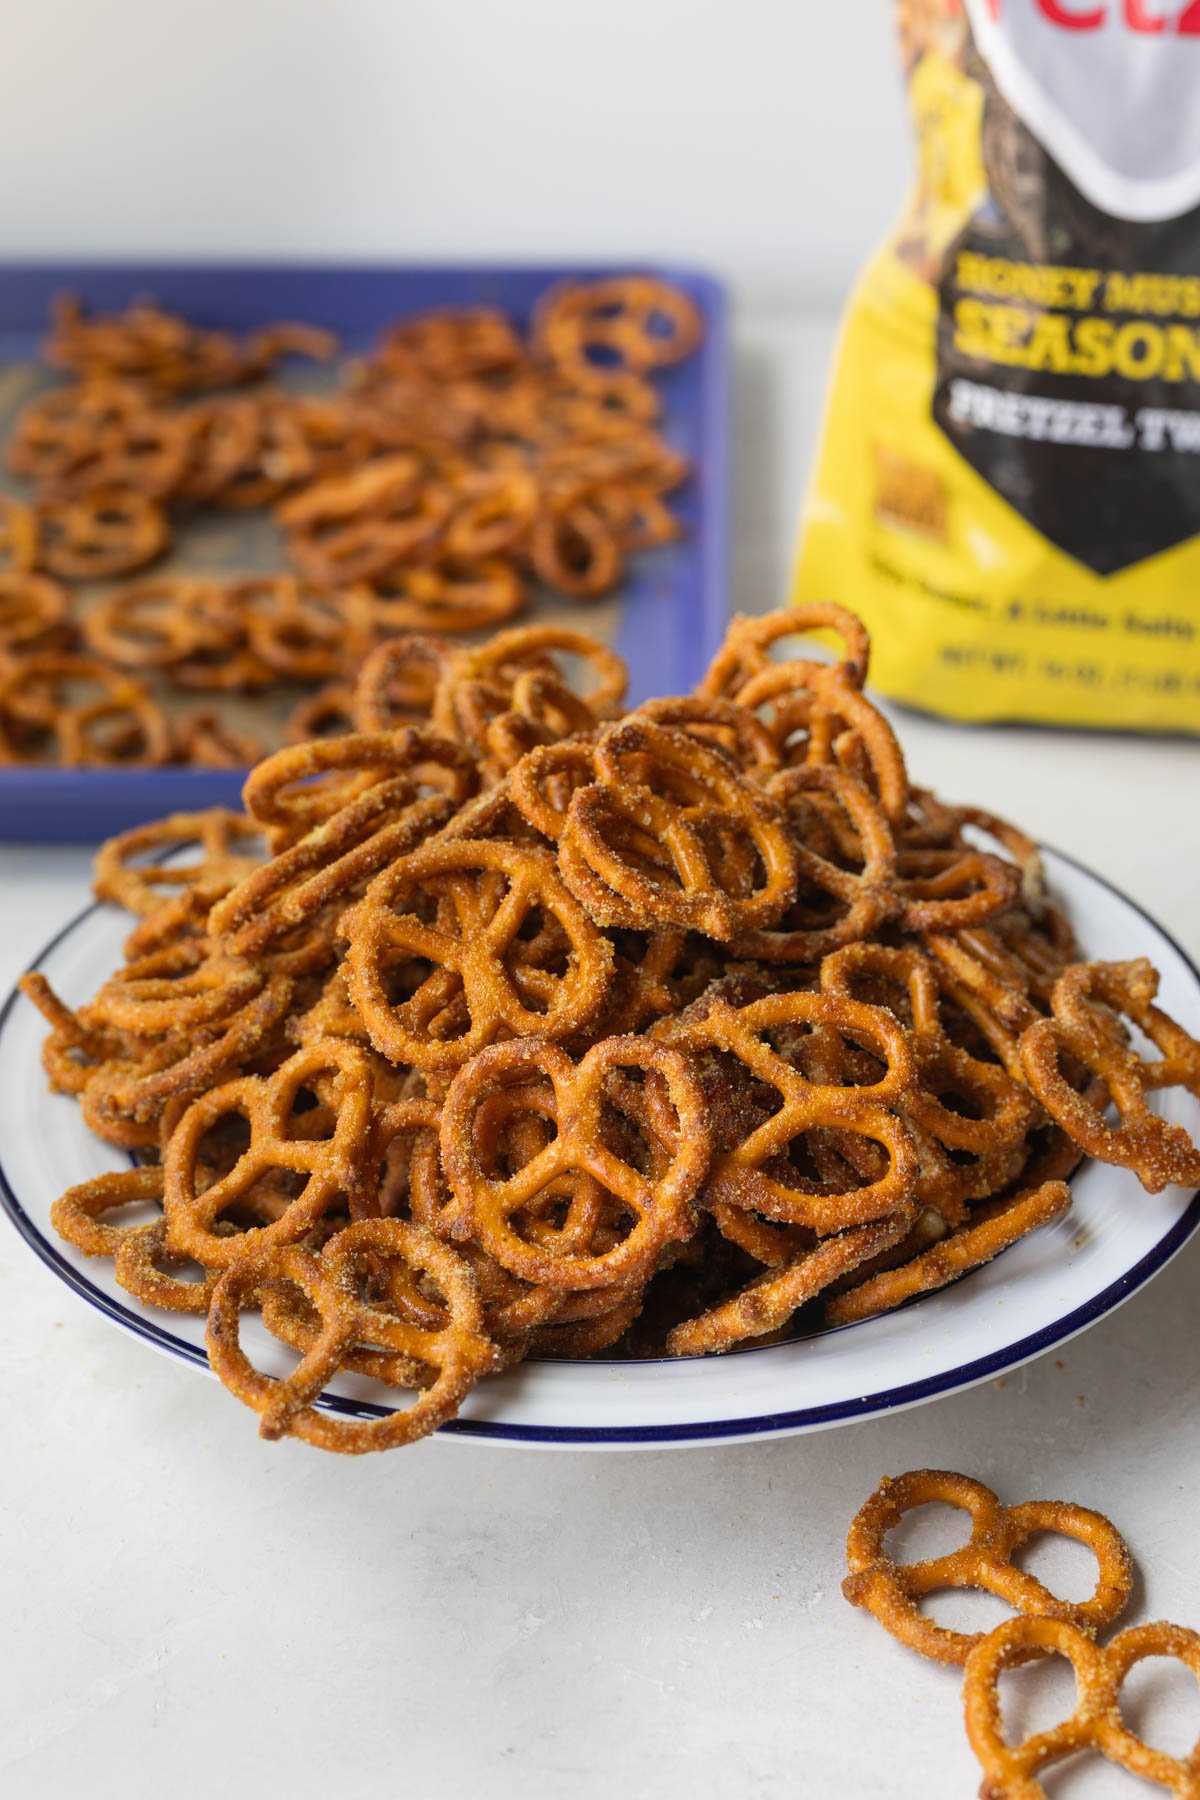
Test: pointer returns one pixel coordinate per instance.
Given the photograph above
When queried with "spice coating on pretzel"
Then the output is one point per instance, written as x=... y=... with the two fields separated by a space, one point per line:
x=326 y=1165
x=758 y=1172
x=659 y=790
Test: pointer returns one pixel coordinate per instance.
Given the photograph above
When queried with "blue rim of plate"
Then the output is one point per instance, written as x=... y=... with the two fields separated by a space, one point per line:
x=841 y=1412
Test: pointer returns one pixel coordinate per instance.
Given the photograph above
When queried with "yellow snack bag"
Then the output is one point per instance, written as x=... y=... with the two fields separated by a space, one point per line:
x=1008 y=487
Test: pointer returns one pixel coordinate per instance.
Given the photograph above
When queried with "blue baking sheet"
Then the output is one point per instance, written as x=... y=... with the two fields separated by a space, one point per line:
x=673 y=603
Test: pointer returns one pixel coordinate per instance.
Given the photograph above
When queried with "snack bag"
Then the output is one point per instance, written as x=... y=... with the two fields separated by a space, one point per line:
x=1009 y=483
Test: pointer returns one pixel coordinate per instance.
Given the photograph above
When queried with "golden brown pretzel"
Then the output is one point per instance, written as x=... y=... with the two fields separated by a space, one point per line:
x=543 y=781
x=327 y=1165
x=1089 y=1000
x=356 y=526
x=816 y=714
x=176 y=986
x=126 y=1098
x=841 y=897
x=670 y=834
x=893 y=1590
x=941 y=890
x=768 y=1302
x=149 y=344
x=78 y=1215
x=138 y=1250
x=327 y=712
x=335 y=860
x=205 y=741
x=576 y=550
x=305 y=786
x=455 y=1353
x=445 y=595
x=153 y=624
x=130 y=446
x=452 y=344
x=56 y=431
x=277 y=455
x=745 y=652
x=989 y=1115
x=579 y=1162
x=492 y=513
x=398 y=681
x=223 y=441
x=100 y=534
x=33 y=613
x=542 y=710
x=509 y=653
x=461 y=906
x=19 y=549
x=713 y=720
x=635 y=322
x=757 y=1171
x=1011 y=1771
x=301 y=631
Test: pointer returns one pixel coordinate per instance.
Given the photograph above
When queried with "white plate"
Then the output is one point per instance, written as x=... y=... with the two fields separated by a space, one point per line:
x=1036 y=1295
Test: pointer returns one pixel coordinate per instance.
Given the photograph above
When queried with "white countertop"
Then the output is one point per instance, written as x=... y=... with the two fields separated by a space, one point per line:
x=187 y=1610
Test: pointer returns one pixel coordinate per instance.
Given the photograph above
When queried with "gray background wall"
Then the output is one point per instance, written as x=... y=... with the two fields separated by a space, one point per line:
x=764 y=138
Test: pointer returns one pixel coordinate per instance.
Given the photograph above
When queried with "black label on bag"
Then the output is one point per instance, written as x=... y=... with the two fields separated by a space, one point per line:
x=1068 y=358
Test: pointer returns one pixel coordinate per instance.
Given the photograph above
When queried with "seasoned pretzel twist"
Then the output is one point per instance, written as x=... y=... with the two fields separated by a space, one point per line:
x=455 y=1352
x=78 y=712
x=745 y=652
x=382 y=822
x=598 y=1178
x=140 y=887
x=328 y=1166
x=769 y=1301
x=760 y=1172
x=1012 y=1771
x=33 y=613
x=892 y=1590
x=486 y=979
x=99 y=534
x=671 y=834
